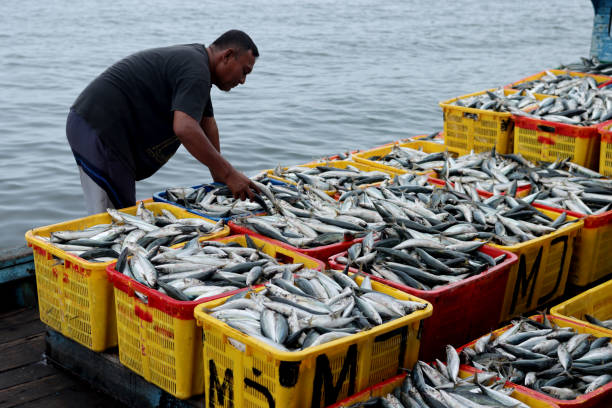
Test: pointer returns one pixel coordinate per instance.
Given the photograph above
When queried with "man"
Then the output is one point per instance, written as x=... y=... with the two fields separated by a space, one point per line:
x=133 y=117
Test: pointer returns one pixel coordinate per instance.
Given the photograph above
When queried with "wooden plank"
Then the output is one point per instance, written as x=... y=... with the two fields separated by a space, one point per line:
x=31 y=391
x=26 y=351
x=77 y=396
x=25 y=374
x=104 y=372
x=18 y=317
x=12 y=256
x=15 y=264
x=22 y=331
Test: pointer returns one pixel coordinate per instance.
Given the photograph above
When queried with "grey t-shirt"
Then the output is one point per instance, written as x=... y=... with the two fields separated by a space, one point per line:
x=131 y=105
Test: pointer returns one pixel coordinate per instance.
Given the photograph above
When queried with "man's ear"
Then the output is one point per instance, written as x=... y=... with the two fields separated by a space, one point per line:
x=228 y=53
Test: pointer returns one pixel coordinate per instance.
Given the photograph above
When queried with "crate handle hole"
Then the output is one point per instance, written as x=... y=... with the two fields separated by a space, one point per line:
x=284 y=258
x=545 y=128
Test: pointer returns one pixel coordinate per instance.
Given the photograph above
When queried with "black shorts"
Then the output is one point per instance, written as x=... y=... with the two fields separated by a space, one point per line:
x=99 y=163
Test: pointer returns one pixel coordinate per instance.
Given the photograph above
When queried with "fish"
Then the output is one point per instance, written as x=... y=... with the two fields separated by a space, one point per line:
x=606 y=324
x=297 y=319
x=310 y=221
x=574 y=100
x=558 y=371
x=105 y=242
x=202 y=269
x=216 y=200
x=425 y=386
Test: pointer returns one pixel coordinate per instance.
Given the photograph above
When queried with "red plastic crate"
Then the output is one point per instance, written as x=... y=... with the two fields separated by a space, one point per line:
x=461 y=310
x=521 y=192
x=601 y=397
x=321 y=253
x=178 y=308
x=543 y=140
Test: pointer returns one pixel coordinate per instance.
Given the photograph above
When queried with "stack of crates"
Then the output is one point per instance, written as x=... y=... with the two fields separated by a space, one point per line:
x=74 y=295
x=158 y=336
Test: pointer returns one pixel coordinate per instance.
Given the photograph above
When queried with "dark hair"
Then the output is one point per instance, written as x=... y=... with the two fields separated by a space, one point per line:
x=236 y=38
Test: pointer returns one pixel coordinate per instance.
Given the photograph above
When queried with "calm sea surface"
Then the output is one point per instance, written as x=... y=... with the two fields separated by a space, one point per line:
x=332 y=76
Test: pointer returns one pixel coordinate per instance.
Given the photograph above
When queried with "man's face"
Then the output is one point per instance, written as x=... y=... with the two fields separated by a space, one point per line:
x=234 y=68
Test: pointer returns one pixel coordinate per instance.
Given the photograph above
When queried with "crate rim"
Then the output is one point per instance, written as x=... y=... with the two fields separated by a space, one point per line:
x=578 y=224
x=604 y=130
x=243 y=230
x=447 y=103
x=556 y=313
x=484 y=193
x=32 y=239
x=562 y=129
x=161 y=197
x=360 y=157
x=203 y=319
x=575 y=402
x=510 y=260
x=557 y=71
x=590 y=221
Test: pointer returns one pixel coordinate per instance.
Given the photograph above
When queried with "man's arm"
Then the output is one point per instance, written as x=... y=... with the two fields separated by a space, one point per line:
x=209 y=126
x=196 y=142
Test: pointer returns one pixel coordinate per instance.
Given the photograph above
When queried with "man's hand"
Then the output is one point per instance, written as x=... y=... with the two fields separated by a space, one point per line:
x=241 y=186
x=192 y=136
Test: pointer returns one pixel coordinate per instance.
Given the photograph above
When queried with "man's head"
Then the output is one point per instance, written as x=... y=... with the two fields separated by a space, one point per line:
x=233 y=55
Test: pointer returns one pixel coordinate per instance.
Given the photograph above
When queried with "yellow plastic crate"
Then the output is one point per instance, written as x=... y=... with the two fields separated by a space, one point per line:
x=601 y=397
x=263 y=376
x=74 y=295
x=591 y=261
x=600 y=79
x=467 y=129
x=366 y=156
x=596 y=302
x=541 y=273
x=542 y=140
x=384 y=388
x=159 y=340
x=340 y=164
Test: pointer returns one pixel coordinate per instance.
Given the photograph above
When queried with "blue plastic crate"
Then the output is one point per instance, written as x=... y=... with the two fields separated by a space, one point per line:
x=162 y=197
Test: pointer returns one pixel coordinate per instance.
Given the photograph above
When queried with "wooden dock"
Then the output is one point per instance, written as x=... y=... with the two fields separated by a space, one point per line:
x=27 y=379
x=39 y=367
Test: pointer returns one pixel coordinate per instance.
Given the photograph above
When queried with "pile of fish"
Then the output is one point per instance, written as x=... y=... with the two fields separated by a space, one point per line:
x=498 y=101
x=591 y=65
x=575 y=101
x=104 y=242
x=440 y=386
x=561 y=184
x=553 y=360
x=406 y=158
x=487 y=171
x=572 y=187
x=425 y=212
x=328 y=178
x=216 y=200
x=310 y=218
x=421 y=263
x=606 y=324
x=201 y=269
x=310 y=308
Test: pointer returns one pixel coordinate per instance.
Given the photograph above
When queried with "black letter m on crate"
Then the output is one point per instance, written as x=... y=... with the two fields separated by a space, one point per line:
x=216 y=386
x=324 y=379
